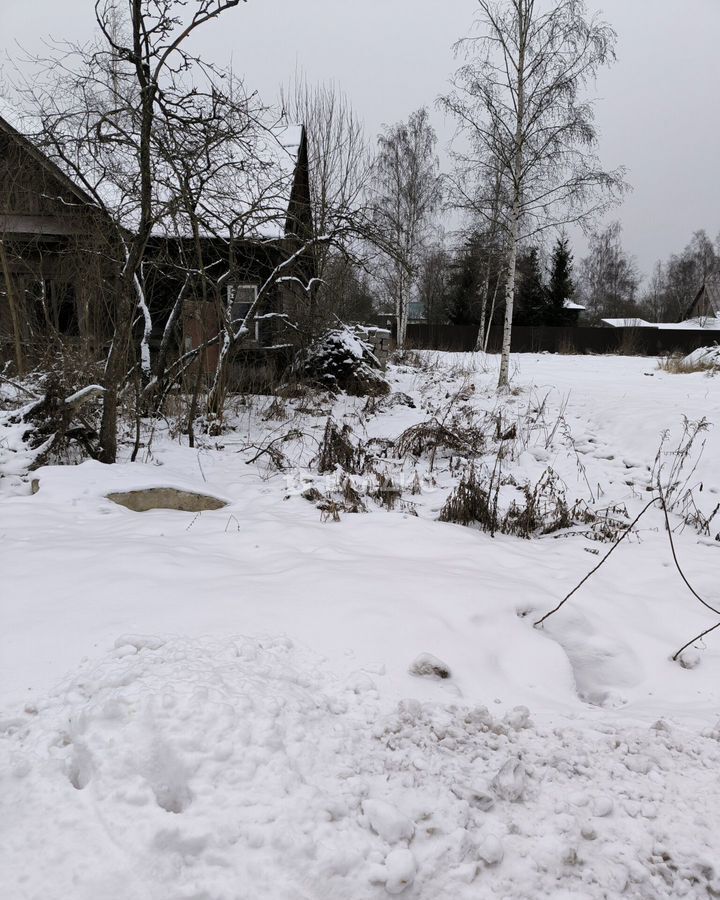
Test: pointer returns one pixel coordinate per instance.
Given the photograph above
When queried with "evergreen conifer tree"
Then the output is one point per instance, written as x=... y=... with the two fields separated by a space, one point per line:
x=561 y=286
x=531 y=294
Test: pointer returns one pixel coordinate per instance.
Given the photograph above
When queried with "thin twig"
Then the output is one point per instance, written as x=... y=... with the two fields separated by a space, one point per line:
x=602 y=561
x=677 y=564
x=19 y=387
x=663 y=504
x=697 y=638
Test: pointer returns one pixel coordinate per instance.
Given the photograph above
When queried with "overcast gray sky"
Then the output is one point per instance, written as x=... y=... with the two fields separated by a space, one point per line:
x=657 y=110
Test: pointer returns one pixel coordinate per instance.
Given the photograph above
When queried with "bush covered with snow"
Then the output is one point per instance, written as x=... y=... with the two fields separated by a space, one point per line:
x=342 y=361
x=43 y=422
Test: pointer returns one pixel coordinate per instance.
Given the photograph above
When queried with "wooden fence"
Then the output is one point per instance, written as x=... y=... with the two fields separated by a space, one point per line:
x=526 y=339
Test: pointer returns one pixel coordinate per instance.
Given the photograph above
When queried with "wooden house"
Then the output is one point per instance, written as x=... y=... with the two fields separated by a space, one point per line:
x=60 y=256
x=52 y=250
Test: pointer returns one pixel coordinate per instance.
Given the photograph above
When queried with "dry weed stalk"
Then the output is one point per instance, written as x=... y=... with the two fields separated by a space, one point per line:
x=677 y=364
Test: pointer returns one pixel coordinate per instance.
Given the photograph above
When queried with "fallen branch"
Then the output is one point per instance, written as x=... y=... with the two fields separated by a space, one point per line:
x=696 y=638
x=663 y=505
x=81 y=397
x=18 y=386
x=601 y=563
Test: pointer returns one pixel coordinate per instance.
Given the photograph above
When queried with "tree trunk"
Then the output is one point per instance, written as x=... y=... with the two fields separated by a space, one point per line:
x=401 y=314
x=504 y=378
x=517 y=173
x=14 y=312
x=117 y=357
x=492 y=313
x=481 y=343
x=115 y=370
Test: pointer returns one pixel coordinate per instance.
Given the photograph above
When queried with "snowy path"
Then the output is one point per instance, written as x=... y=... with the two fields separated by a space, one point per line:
x=268 y=739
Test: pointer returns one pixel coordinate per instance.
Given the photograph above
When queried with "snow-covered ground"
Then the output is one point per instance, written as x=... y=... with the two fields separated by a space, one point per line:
x=219 y=706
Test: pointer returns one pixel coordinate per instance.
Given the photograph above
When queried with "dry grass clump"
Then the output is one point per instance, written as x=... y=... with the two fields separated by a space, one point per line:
x=673 y=475
x=472 y=503
x=543 y=509
x=699 y=361
x=349 y=495
x=386 y=492
x=337 y=450
x=427 y=438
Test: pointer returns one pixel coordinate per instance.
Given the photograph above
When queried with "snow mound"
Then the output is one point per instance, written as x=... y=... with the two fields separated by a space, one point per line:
x=237 y=768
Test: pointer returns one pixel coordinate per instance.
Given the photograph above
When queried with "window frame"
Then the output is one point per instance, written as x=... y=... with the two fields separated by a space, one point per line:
x=232 y=291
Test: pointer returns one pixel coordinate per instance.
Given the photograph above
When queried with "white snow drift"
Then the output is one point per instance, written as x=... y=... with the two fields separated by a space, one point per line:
x=223 y=705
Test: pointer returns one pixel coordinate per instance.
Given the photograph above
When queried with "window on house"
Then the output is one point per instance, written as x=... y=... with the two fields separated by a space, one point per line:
x=240 y=300
x=52 y=306
x=64 y=308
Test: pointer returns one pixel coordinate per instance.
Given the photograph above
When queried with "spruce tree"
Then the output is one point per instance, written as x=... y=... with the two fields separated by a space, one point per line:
x=462 y=291
x=531 y=293
x=561 y=287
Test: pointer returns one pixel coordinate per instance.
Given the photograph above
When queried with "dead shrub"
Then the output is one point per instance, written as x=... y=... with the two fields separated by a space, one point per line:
x=427 y=438
x=345 y=498
x=276 y=410
x=543 y=509
x=679 y=364
x=351 y=497
x=386 y=492
x=472 y=503
x=672 y=475
x=673 y=469
x=337 y=449
x=329 y=510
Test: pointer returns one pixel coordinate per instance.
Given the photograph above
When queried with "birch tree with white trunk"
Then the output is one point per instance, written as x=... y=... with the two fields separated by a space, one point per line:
x=407 y=193
x=519 y=99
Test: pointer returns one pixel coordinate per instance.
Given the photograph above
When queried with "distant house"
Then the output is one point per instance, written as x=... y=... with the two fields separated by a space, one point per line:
x=627 y=323
x=702 y=315
x=574 y=311
x=59 y=261
x=700 y=323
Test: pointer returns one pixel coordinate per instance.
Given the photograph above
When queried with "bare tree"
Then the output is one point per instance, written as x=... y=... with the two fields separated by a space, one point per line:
x=654 y=298
x=105 y=113
x=406 y=194
x=687 y=272
x=608 y=276
x=338 y=158
x=433 y=284
x=518 y=100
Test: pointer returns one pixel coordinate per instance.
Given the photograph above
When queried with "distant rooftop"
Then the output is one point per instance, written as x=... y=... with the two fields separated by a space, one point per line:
x=628 y=323
x=700 y=323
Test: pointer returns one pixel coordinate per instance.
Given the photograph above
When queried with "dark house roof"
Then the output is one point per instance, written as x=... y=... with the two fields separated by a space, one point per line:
x=266 y=197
